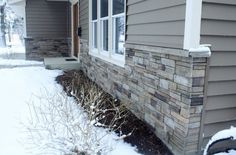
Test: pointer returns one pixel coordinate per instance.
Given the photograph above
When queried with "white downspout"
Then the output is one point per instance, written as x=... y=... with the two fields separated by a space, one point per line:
x=192 y=30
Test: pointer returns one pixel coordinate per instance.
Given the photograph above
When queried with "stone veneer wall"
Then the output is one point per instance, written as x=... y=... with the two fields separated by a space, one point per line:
x=164 y=90
x=38 y=48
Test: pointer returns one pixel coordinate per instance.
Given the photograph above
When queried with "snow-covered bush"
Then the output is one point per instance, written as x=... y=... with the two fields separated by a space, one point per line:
x=225 y=139
x=58 y=124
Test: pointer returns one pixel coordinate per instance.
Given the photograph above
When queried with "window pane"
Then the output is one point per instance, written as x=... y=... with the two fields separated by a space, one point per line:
x=94 y=9
x=119 y=35
x=118 y=6
x=105 y=35
x=94 y=34
x=104 y=8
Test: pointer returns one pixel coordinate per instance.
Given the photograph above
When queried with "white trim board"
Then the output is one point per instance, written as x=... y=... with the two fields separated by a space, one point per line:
x=192 y=24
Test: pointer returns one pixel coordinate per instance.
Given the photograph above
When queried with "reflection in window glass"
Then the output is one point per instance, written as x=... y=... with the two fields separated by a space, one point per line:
x=118 y=7
x=104 y=8
x=94 y=9
x=94 y=34
x=118 y=35
x=104 y=35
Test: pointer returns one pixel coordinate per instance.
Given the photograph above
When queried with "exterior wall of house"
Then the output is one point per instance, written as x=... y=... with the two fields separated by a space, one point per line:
x=162 y=86
x=38 y=48
x=162 y=89
x=219 y=29
x=156 y=22
x=46 y=24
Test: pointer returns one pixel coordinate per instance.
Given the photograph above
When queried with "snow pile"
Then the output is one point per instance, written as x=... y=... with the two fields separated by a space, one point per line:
x=224 y=134
x=21 y=87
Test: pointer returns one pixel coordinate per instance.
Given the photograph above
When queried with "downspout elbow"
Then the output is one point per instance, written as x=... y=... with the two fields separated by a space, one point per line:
x=202 y=51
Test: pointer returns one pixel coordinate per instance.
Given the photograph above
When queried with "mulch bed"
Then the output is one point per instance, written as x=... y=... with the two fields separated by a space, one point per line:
x=142 y=136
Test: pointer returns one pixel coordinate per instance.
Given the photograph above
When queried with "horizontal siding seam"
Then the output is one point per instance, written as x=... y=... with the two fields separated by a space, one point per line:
x=218 y=3
x=167 y=21
x=136 y=13
x=133 y=3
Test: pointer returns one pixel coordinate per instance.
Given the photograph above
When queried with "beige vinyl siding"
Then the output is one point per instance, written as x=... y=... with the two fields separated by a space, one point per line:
x=47 y=19
x=84 y=18
x=219 y=29
x=156 y=23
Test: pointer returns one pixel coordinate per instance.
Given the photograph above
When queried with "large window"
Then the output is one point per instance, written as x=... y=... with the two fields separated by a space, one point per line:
x=107 y=28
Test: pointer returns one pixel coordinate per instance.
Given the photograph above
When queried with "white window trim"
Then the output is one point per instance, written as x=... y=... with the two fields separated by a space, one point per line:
x=109 y=56
x=192 y=24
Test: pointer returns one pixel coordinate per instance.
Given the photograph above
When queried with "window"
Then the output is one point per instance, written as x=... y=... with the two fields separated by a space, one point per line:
x=118 y=26
x=107 y=30
x=94 y=24
x=104 y=24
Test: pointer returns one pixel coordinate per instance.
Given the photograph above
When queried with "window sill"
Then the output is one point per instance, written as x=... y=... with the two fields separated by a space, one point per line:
x=118 y=62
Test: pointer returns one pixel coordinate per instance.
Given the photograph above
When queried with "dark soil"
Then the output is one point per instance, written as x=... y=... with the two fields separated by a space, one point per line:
x=142 y=136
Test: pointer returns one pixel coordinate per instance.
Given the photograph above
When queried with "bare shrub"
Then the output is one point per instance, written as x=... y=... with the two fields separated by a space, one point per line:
x=58 y=124
x=107 y=110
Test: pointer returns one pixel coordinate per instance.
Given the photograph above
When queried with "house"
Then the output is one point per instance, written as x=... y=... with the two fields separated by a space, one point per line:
x=173 y=61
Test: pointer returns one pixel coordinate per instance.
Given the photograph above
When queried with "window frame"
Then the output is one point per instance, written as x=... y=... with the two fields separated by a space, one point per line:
x=110 y=55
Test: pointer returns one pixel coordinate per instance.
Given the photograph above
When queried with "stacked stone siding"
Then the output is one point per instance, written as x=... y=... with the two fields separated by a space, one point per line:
x=38 y=48
x=162 y=89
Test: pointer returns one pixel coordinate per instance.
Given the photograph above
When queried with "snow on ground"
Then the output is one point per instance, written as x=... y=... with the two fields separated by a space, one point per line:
x=16 y=46
x=231 y=152
x=13 y=49
x=19 y=86
x=15 y=62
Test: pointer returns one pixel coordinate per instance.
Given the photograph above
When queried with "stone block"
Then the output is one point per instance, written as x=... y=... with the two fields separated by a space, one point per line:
x=134 y=97
x=165 y=108
x=180 y=117
x=165 y=74
x=197 y=90
x=175 y=95
x=169 y=122
x=183 y=71
x=195 y=119
x=184 y=64
x=161 y=97
x=164 y=84
x=198 y=73
x=198 y=81
x=172 y=86
x=185 y=112
x=168 y=62
x=181 y=80
x=194 y=125
x=170 y=70
x=155 y=104
x=196 y=101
